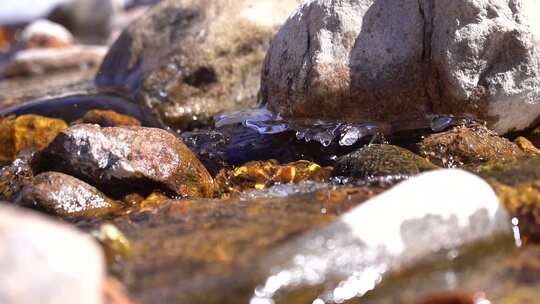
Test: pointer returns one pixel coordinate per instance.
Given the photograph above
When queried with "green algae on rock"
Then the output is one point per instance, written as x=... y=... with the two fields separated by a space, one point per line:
x=464 y=145
x=381 y=160
x=66 y=196
x=27 y=132
x=127 y=160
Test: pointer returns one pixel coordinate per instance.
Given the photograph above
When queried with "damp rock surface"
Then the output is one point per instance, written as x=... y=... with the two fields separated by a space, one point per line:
x=381 y=160
x=464 y=145
x=44 y=261
x=189 y=59
x=385 y=61
x=127 y=158
x=66 y=196
x=108 y=118
x=25 y=132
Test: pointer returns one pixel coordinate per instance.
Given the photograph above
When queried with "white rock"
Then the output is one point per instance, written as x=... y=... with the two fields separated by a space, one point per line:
x=377 y=60
x=47 y=262
x=436 y=212
x=46 y=28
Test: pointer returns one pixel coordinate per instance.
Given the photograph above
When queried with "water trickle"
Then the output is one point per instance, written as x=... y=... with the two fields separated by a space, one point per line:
x=327 y=132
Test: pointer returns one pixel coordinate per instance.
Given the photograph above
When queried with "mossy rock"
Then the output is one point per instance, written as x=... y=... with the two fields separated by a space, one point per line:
x=380 y=160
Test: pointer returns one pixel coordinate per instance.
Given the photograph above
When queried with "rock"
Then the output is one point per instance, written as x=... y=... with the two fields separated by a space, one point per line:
x=47 y=262
x=526 y=146
x=467 y=145
x=189 y=59
x=45 y=34
x=14 y=176
x=37 y=62
x=201 y=251
x=90 y=21
x=264 y=174
x=375 y=160
x=517 y=183
x=66 y=196
x=534 y=137
x=114 y=292
x=122 y=158
x=106 y=118
x=27 y=132
x=385 y=61
x=442 y=211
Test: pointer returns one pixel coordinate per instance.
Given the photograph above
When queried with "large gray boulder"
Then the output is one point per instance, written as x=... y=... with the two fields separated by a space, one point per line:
x=47 y=262
x=386 y=60
x=190 y=59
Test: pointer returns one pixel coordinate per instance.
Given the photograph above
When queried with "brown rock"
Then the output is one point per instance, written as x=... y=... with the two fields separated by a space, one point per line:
x=377 y=160
x=66 y=196
x=467 y=145
x=193 y=251
x=27 y=132
x=127 y=160
x=189 y=59
x=14 y=176
x=106 y=118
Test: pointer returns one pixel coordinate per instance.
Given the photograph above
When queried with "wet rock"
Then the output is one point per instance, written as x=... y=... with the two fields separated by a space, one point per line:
x=114 y=292
x=379 y=160
x=467 y=145
x=387 y=61
x=47 y=262
x=116 y=247
x=66 y=196
x=27 y=132
x=205 y=252
x=526 y=146
x=106 y=118
x=45 y=34
x=38 y=62
x=188 y=60
x=517 y=183
x=127 y=159
x=440 y=212
x=264 y=174
x=14 y=176
x=534 y=137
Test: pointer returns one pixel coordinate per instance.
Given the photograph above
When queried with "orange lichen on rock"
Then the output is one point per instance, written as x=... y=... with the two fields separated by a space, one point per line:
x=264 y=174
x=27 y=132
x=106 y=118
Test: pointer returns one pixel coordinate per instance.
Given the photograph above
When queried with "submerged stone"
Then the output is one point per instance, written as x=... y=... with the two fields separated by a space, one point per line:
x=189 y=60
x=27 y=132
x=381 y=160
x=107 y=118
x=264 y=174
x=14 y=176
x=126 y=160
x=388 y=61
x=66 y=196
x=206 y=252
x=464 y=145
